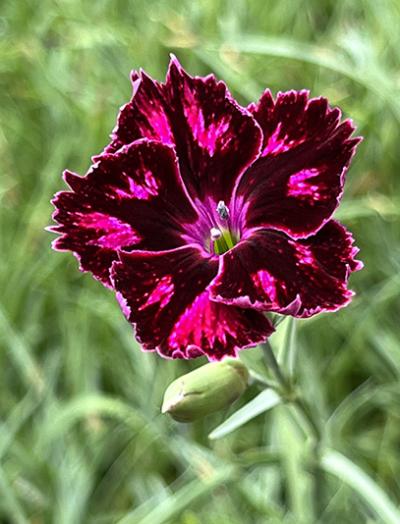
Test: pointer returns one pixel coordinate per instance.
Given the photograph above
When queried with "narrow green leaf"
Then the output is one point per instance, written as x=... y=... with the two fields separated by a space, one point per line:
x=344 y=469
x=371 y=206
x=87 y=405
x=376 y=81
x=249 y=90
x=20 y=354
x=11 y=502
x=170 y=508
x=263 y=402
x=15 y=420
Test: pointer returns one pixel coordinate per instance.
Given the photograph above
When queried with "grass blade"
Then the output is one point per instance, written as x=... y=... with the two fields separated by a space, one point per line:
x=14 y=508
x=378 y=83
x=85 y=406
x=171 y=507
x=345 y=470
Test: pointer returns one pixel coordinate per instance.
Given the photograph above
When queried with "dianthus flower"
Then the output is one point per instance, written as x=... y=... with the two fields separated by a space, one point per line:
x=203 y=215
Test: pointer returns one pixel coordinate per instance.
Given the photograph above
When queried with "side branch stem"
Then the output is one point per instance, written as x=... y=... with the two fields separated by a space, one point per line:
x=272 y=363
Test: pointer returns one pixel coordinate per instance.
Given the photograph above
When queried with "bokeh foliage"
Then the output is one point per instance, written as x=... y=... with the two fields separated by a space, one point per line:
x=81 y=438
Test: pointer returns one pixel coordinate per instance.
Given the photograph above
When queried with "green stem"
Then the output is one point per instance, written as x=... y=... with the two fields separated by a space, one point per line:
x=314 y=429
x=305 y=410
x=256 y=378
x=273 y=365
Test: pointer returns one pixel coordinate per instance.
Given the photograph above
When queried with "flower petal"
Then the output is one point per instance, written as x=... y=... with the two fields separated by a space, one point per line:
x=216 y=140
x=133 y=199
x=165 y=296
x=145 y=116
x=271 y=272
x=297 y=183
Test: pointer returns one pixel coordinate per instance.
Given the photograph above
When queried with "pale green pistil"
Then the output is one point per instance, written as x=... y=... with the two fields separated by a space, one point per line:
x=224 y=241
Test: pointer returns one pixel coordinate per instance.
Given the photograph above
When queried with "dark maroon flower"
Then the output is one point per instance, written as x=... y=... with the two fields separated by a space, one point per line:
x=202 y=215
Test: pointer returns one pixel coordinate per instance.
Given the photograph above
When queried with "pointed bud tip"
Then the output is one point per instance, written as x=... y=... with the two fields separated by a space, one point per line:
x=173 y=399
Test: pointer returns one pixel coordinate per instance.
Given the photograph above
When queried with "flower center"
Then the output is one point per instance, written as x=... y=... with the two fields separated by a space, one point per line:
x=222 y=238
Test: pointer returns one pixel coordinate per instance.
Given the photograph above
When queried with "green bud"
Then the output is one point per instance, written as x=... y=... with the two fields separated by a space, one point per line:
x=207 y=389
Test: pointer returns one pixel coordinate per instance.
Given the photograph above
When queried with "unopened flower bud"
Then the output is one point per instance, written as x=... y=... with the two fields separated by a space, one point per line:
x=207 y=389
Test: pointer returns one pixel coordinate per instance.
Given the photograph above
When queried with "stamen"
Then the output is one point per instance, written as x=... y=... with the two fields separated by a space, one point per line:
x=222 y=238
x=222 y=210
x=215 y=233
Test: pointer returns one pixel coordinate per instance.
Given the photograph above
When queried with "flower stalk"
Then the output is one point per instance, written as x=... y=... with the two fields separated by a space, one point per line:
x=289 y=393
x=313 y=428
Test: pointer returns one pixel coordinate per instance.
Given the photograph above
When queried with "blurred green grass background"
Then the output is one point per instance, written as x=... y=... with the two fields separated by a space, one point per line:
x=81 y=437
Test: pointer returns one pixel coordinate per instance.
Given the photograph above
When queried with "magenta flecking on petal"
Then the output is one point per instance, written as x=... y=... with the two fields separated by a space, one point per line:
x=133 y=199
x=203 y=215
x=269 y=271
x=167 y=300
x=215 y=139
x=296 y=184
